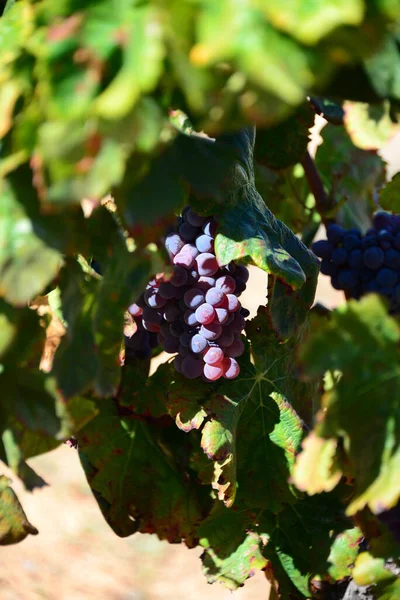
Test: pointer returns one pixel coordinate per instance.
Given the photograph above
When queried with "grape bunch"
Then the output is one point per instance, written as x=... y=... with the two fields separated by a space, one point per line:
x=361 y=264
x=196 y=312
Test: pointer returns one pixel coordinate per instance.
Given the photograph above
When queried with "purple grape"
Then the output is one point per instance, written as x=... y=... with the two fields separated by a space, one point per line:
x=190 y=318
x=386 y=278
x=185 y=339
x=178 y=363
x=227 y=337
x=205 y=314
x=153 y=298
x=226 y=283
x=212 y=331
x=396 y=242
x=171 y=344
x=198 y=343
x=188 y=231
x=151 y=316
x=206 y=283
x=179 y=276
x=392 y=259
x=334 y=233
x=193 y=298
x=240 y=285
x=135 y=310
x=221 y=315
x=238 y=322
x=350 y=242
x=210 y=227
x=167 y=290
x=174 y=243
x=339 y=256
x=183 y=350
x=215 y=297
x=152 y=327
x=356 y=259
x=322 y=248
x=346 y=279
x=244 y=312
x=141 y=301
x=242 y=272
x=328 y=268
x=383 y=220
x=212 y=372
x=214 y=355
x=206 y=264
x=164 y=328
x=233 y=303
x=235 y=349
x=230 y=367
x=193 y=277
x=204 y=243
x=195 y=219
x=192 y=367
x=176 y=329
x=373 y=257
x=171 y=312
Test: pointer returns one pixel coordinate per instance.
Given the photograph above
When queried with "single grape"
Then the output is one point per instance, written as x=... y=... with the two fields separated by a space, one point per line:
x=212 y=331
x=242 y=272
x=193 y=277
x=177 y=328
x=339 y=256
x=183 y=350
x=193 y=298
x=392 y=259
x=206 y=264
x=235 y=349
x=174 y=243
x=141 y=301
x=346 y=279
x=215 y=297
x=206 y=283
x=178 y=363
x=151 y=316
x=214 y=355
x=244 y=312
x=192 y=367
x=227 y=336
x=334 y=233
x=356 y=259
x=185 y=339
x=198 y=343
x=179 y=276
x=188 y=231
x=383 y=220
x=135 y=310
x=152 y=327
x=240 y=286
x=373 y=257
x=205 y=314
x=212 y=372
x=210 y=227
x=204 y=243
x=238 y=322
x=154 y=299
x=171 y=312
x=386 y=278
x=328 y=268
x=233 y=303
x=226 y=283
x=221 y=315
x=195 y=219
x=323 y=249
x=230 y=367
x=190 y=318
x=167 y=290
x=171 y=344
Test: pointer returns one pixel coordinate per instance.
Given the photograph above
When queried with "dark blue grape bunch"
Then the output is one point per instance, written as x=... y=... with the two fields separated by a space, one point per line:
x=358 y=264
x=196 y=313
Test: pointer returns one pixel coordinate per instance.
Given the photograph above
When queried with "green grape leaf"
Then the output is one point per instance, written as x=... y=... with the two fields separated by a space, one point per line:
x=382 y=69
x=361 y=341
x=390 y=195
x=144 y=395
x=284 y=145
x=232 y=554
x=14 y=524
x=369 y=126
x=142 y=63
x=351 y=174
x=369 y=570
x=27 y=264
x=310 y=22
x=136 y=479
x=344 y=551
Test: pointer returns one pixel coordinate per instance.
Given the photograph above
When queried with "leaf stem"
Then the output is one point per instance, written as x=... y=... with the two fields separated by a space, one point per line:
x=314 y=180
